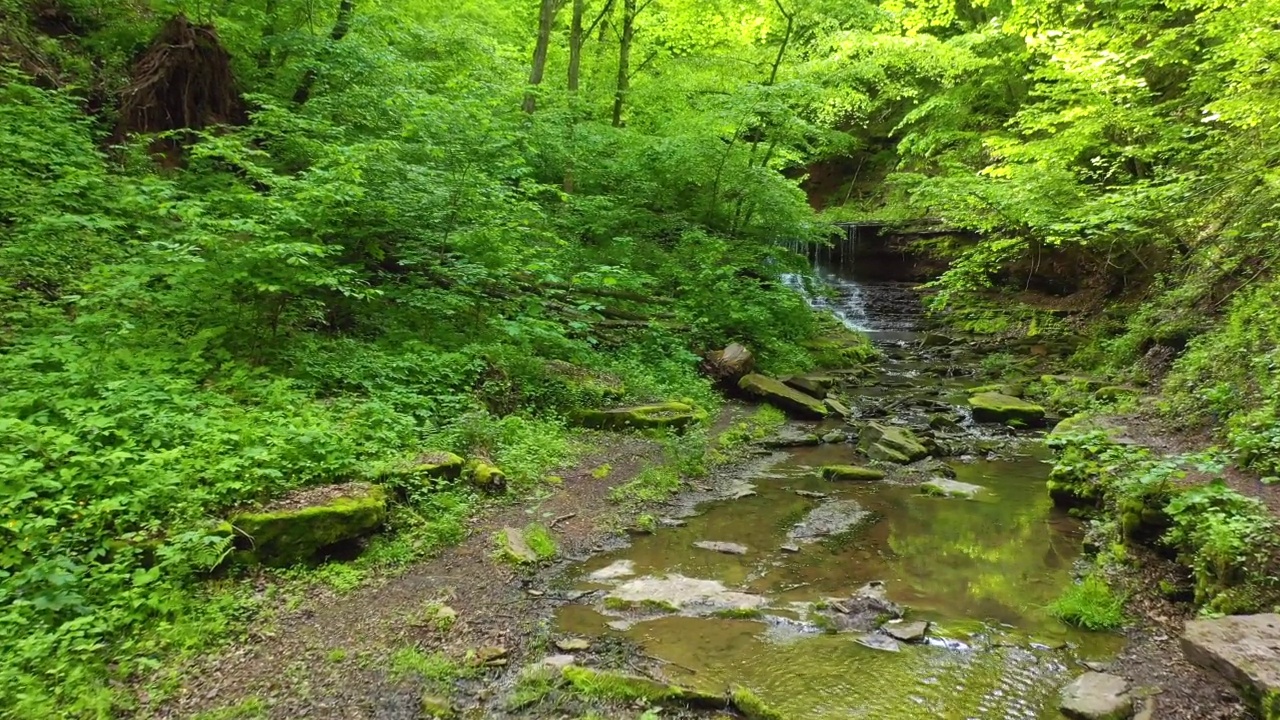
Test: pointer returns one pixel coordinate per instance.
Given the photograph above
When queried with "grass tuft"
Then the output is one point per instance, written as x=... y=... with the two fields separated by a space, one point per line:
x=1090 y=604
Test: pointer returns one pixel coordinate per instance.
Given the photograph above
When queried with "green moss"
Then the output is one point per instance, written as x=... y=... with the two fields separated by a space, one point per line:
x=285 y=537
x=436 y=669
x=850 y=472
x=997 y=407
x=673 y=415
x=534 y=685
x=540 y=540
x=739 y=614
x=751 y=706
x=840 y=349
x=619 y=687
x=486 y=477
x=617 y=603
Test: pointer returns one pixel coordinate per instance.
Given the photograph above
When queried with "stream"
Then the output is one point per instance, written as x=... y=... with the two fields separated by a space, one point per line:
x=980 y=570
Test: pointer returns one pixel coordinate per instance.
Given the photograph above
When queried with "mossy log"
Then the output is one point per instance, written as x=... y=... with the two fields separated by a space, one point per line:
x=298 y=527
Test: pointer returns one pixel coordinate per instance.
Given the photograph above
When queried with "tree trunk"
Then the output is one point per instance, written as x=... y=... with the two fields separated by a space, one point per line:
x=575 y=68
x=341 y=26
x=268 y=35
x=546 y=16
x=624 y=60
x=575 y=45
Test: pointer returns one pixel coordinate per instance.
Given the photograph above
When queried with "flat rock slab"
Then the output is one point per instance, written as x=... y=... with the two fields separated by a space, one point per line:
x=658 y=415
x=851 y=472
x=811 y=494
x=614 y=570
x=783 y=397
x=910 y=632
x=1244 y=649
x=946 y=487
x=1097 y=696
x=727 y=548
x=686 y=593
x=573 y=644
x=829 y=519
x=876 y=641
x=791 y=437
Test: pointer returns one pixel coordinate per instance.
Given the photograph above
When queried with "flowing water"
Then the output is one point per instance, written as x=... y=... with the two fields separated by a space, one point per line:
x=981 y=570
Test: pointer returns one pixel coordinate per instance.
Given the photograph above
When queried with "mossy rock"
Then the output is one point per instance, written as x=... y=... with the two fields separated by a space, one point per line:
x=783 y=397
x=1144 y=519
x=891 y=444
x=840 y=350
x=850 y=472
x=948 y=488
x=410 y=472
x=587 y=384
x=436 y=707
x=815 y=385
x=486 y=476
x=674 y=415
x=997 y=407
x=1111 y=393
x=623 y=687
x=296 y=528
x=1083 y=384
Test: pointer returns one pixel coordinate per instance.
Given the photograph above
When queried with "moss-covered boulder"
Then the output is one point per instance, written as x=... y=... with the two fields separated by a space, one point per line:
x=994 y=407
x=815 y=385
x=840 y=349
x=850 y=472
x=298 y=527
x=891 y=444
x=783 y=397
x=486 y=476
x=674 y=415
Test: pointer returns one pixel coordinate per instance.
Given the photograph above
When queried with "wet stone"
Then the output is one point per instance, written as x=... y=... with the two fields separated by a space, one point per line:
x=727 y=548
x=865 y=611
x=834 y=437
x=811 y=494
x=573 y=644
x=829 y=519
x=557 y=662
x=909 y=632
x=876 y=641
x=1097 y=696
x=946 y=487
x=792 y=437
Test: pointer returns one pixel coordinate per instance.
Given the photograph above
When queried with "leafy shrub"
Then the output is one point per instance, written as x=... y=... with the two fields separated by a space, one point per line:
x=1228 y=541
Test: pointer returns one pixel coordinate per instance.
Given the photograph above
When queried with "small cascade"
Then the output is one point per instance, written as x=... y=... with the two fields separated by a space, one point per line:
x=862 y=305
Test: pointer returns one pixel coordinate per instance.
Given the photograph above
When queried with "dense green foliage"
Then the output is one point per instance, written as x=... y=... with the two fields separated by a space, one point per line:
x=392 y=263
x=406 y=239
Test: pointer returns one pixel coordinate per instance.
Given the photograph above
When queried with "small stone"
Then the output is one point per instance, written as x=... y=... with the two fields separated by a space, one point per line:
x=619 y=625
x=876 y=641
x=790 y=548
x=437 y=707
x=850 y=472
x=835 y=436
x=811 y=494
x=1096 y=666
x=727 y=548
x=491 y=655
x=910 y=632
x=1097 y=696
x=671 y=522
x=945 y=487
x=612 y=571
x=535 y=593
x=573 y=644
x=557 y=662
x=515 y=547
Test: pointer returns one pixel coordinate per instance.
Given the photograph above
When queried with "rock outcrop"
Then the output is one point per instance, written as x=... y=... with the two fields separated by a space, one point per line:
x=1244 y=649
